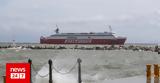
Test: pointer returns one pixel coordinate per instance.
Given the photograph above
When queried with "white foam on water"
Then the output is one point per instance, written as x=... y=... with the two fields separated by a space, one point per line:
x=68 y=78
x=42 y=72
x=137 y=79
x=62 y=63
x=57 y=77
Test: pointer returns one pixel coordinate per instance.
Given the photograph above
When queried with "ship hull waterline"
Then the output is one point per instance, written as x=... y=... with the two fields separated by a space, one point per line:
x=117 y=41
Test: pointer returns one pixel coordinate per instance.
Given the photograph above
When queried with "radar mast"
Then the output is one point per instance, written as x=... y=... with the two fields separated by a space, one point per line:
x=110 y=28
x=57 y=30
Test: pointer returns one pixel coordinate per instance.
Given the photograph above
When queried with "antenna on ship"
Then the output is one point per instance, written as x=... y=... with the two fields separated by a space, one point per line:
x=57 y=30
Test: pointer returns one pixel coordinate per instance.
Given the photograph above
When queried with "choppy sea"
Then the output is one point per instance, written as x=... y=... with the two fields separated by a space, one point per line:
x=98 y=66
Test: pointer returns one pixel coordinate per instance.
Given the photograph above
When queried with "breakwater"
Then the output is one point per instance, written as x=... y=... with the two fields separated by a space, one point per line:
x=134 y=47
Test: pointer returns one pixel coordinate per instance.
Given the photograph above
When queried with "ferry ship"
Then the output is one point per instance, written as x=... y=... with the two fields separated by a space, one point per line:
x=102 y=38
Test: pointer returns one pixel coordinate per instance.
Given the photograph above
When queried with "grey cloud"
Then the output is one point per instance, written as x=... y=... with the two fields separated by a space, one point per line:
x=32 y=18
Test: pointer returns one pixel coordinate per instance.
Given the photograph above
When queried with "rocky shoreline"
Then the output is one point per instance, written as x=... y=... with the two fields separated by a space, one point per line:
x=154 y=48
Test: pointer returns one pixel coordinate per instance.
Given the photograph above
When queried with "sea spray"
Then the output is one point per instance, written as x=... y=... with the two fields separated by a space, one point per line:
x=62 y=64
x=57 y=77
x=68 y=78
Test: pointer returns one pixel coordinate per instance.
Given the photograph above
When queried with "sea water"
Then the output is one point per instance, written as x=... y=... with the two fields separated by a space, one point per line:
x=101 y=66
x=98 y=66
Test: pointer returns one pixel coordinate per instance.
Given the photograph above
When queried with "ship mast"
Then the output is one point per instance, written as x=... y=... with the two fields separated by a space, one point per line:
x=57 y=30
x=110 y=28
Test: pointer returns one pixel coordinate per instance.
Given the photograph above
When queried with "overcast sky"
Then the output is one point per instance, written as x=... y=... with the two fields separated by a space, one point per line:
x=27 y=20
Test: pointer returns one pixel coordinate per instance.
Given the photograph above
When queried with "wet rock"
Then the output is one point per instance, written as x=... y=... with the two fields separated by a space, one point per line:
x=61 y=47
x=135 y=49
x=97 y=48
x=131 y=47
x=156 y=49
x=112 y=47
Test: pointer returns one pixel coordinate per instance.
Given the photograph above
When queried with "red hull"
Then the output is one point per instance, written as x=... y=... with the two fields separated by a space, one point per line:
x=118 y=41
